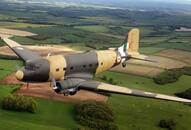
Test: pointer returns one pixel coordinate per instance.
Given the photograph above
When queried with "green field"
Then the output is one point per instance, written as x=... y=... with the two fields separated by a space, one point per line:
x=97 y=29
x=20 y=25
x=7 y=67
x=51 y=115
x=131 y=112
x=150 y=50
x=136 y=113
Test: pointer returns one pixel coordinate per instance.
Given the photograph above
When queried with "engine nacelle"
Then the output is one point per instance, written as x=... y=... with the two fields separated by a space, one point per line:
x=66 y=87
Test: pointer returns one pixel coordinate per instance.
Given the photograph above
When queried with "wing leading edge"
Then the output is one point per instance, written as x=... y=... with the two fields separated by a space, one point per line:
x=23 y=53
x=104 y=87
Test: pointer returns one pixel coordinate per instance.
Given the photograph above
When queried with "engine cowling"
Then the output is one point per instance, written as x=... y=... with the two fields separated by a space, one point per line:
x=66 y=87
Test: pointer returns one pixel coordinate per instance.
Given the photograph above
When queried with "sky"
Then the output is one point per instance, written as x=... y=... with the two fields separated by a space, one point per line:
x=176 y=1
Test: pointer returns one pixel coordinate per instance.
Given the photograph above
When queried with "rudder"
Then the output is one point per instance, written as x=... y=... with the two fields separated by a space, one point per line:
x=133 y=41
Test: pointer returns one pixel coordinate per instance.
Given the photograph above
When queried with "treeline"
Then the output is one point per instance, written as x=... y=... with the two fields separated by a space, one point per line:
x=66 y=34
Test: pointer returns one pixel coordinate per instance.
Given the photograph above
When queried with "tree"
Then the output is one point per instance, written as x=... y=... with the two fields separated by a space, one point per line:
x=95 y=115
x=19 y=103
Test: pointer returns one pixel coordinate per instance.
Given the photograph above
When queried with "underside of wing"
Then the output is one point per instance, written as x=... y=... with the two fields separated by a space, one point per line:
x=23 y=53
x=103 y=87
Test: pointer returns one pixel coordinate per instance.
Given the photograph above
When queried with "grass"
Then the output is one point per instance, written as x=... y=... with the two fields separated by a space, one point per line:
x=50 y=115
x=93 y=28
x=7 y=67
x=136 y=113
x=150 y=50
x=6 y=90
x=20 y=25
x=175 y=45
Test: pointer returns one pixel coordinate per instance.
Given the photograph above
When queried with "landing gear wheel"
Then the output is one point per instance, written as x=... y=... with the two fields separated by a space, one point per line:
x=124 y=65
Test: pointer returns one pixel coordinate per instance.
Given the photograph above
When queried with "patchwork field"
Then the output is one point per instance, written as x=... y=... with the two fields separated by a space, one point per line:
x=145 y=71
x=20 y=25
x=159 y=62
x=15 y=32
x=179 y=55
x=42 y=50
x=97 y=29
x=67 y=30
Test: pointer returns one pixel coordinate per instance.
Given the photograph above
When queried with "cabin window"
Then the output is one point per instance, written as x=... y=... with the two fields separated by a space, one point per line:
x=101 y=63
x=57 y=69
x=64 y=69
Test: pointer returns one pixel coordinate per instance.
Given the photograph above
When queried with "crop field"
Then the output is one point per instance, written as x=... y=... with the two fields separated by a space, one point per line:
x=176 y=54
x=129 y=111
x=81 y=29
x=43 y=50
x=150 y=50
x=161 y=62
x=97 y=29
x=20 y=25
x=141 y=70
x=15 y=32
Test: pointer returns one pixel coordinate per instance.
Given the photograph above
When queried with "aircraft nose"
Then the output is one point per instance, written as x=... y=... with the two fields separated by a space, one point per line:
x=19 y=75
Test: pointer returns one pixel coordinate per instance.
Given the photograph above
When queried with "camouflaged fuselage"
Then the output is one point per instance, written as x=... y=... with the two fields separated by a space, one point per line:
x=81 y=65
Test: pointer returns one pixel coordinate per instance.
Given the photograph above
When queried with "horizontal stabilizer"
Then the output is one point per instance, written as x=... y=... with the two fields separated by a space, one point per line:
x=24 y=53
x=141 y=57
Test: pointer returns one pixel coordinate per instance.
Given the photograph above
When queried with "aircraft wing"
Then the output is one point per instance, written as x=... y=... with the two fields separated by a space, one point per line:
x=104 y=87
x=23 y=53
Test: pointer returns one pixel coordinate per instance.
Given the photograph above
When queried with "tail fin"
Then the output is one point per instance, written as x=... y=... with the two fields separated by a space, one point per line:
x=133 y=41
x=130 y=47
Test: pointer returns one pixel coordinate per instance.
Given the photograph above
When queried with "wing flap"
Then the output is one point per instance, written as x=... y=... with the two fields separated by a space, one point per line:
x=23 y=53
x=103 y=87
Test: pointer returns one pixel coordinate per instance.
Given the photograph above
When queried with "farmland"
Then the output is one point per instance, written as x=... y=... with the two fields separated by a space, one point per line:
x=85 y=29
x=131 y=112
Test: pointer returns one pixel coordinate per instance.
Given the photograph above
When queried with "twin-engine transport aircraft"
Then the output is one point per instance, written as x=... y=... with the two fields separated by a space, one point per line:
x=73 y=72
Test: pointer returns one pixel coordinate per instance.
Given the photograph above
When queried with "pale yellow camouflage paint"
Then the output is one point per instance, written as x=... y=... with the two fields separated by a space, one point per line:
x=108 y=58
x=172 y=98
x=114 y=88
x=57 y=62
x=133 y=40
x=11 y=43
